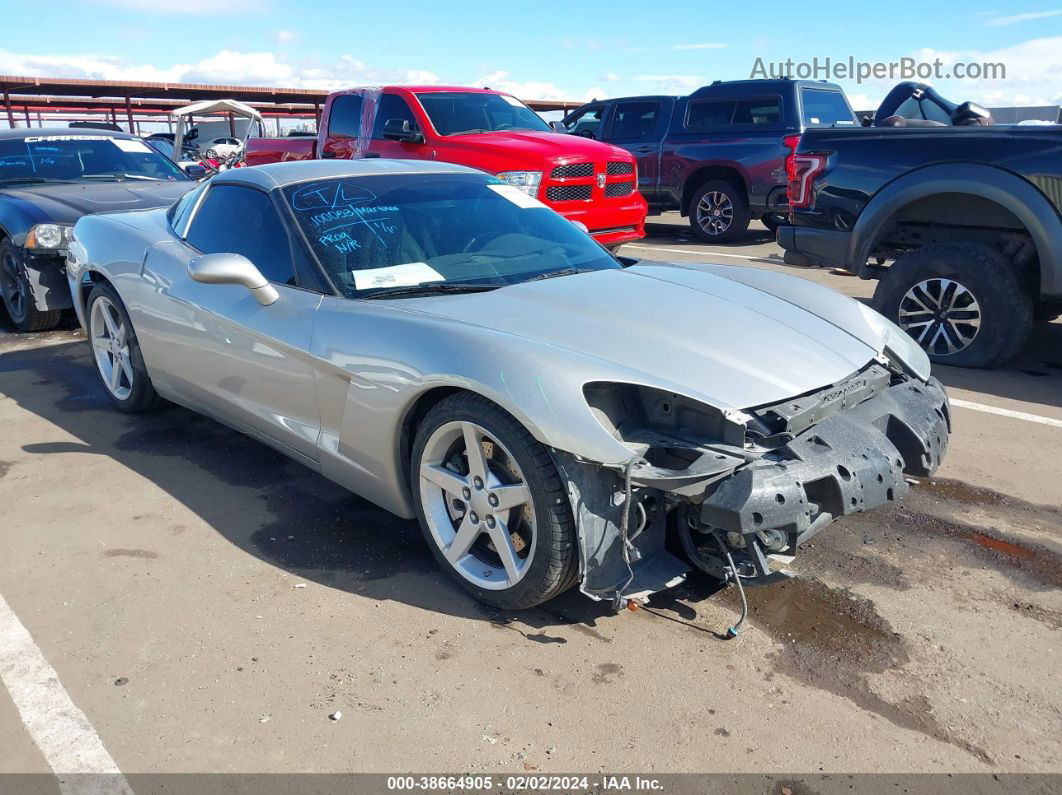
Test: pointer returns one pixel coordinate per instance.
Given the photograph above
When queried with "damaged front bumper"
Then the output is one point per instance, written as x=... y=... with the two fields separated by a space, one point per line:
x=842 y=452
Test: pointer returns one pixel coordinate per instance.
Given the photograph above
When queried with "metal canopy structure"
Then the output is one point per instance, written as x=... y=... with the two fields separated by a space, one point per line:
x=24 y=96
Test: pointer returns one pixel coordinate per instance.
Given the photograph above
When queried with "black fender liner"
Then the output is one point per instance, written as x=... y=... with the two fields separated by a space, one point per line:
x=1016 y=194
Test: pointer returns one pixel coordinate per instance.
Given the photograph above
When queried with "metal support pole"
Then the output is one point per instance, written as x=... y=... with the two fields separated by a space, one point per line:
x=129 y=115
x=10 y=115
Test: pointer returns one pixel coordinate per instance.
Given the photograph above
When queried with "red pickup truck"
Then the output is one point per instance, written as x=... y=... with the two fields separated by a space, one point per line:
x=586 y=181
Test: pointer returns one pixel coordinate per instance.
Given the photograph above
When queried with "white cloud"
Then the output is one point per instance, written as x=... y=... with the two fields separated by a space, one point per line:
x=1013 y=19
x=709 y=45
x=535 y=89
x=286 y=36
x=1033 y=73
x=609 y=77
x=226 y=67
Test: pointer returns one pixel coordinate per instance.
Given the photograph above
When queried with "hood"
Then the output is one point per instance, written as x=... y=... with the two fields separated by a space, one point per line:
x=697 y=333
x=547 y=147
x=65 y=203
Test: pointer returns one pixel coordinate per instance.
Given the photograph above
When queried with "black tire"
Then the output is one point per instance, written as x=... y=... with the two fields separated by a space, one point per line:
x=18 y=294
x=142 y=395
x=774 y=220
x=554 y=567
x=739 y=220
x=1004 y=300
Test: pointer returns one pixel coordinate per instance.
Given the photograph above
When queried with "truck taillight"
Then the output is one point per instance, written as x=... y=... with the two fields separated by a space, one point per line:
x=801 y=171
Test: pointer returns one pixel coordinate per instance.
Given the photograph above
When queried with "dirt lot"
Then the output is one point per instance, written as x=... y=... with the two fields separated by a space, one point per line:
x=155 y=561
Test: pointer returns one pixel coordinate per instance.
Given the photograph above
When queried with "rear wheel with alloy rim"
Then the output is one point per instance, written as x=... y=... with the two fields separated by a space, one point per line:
x=964 y=303
x=491 y=504
x=18 y=295
x=116 y=352
x=718 y=212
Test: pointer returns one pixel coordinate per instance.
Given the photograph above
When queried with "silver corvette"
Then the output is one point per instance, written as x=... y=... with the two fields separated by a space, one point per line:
x=446 y=346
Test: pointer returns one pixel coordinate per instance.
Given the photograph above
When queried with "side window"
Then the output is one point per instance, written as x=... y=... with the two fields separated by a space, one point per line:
x=236 y=220
x=179 y=212
x=391 y=106
x=709 y=114
x=766 y=110
x=633 y=120
x=344 y=117
x=587 y=123
x=823 y=108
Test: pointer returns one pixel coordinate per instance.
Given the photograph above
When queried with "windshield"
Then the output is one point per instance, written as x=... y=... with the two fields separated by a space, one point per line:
x=82 y=158
x=460 y=113
x=381 y=232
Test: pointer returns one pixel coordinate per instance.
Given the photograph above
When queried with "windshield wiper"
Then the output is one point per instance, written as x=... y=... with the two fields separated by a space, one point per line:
x=119 y=176
x=470 y=132
x=555 y=274
x=434 y=288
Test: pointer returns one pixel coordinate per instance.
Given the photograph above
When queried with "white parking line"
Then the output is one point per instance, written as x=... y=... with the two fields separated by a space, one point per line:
x=1017 y=415
x=703 y=253
x=58 y=728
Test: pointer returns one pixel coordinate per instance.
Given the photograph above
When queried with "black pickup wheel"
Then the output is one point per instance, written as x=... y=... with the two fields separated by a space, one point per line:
x=718 y=212
x=964 y=303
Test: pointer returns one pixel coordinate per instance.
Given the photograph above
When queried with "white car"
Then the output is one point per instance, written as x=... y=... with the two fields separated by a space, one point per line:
x=222 y=146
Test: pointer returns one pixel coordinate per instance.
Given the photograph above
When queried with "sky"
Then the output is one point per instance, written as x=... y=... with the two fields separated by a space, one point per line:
x=535 y=50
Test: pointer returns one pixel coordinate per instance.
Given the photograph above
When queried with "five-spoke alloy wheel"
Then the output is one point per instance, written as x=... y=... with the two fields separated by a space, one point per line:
x=116 y=351
x=110 y=347
x=491 y=504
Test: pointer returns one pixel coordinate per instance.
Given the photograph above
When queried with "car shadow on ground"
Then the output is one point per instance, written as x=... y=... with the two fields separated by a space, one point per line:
x=273 y=507
x=671 y=234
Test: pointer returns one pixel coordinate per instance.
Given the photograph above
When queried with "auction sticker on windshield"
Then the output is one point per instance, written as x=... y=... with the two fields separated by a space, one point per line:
x=408 y=275
x=129 y=145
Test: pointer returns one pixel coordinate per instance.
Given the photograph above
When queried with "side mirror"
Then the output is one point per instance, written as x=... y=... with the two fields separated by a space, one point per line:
x=581 y=226
x=233 y=269
x=558 y=127
x=195 y=171
x=401 y=130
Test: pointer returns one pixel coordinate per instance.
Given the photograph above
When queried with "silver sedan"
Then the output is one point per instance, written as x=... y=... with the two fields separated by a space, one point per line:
x=444 y=345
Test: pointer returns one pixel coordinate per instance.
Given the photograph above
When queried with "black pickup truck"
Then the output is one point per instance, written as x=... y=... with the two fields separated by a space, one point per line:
x=718 y=155
x=960 y=225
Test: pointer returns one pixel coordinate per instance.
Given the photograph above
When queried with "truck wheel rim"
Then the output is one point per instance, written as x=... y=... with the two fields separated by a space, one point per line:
x=477 y=506
x=715 y=212
x=110 y=346
x=942 y=315
x=13 y=287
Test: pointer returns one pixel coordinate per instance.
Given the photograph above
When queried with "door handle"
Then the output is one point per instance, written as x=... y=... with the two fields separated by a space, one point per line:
x=645 y=149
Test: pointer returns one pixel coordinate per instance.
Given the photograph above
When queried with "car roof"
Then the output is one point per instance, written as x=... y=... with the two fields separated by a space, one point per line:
x=274 y=175
x=70 y=132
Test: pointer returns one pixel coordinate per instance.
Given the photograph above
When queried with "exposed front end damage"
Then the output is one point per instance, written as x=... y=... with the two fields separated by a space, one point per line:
x=753 y=484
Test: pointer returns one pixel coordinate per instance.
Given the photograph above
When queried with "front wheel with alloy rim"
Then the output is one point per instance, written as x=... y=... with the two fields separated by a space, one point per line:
x=964 y=303
x=116 y=352
x=18 y=295
x=718 y=212
x=491 y=504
